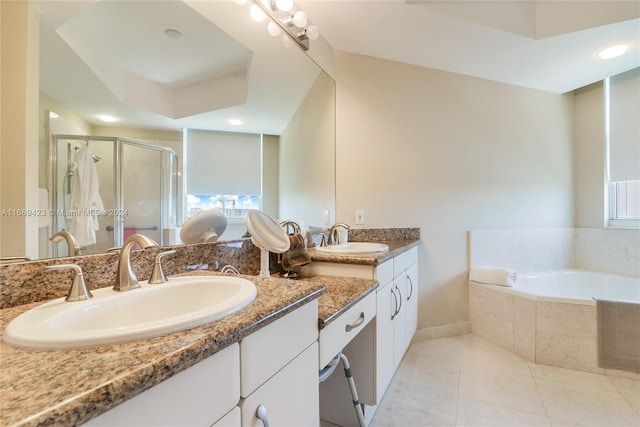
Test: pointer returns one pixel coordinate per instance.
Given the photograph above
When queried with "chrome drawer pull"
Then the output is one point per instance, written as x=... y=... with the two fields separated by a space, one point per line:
x=359 y=321
x=261 y=413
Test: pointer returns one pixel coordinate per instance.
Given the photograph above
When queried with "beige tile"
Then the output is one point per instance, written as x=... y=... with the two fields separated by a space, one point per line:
x=408 y=404
x=510 y=389
x=585 y=406
x=567 y=351
x=472 y=412
x=569 y=377
x=629 y=389
x=524 y=327
x=487 y=356
x=573 y=320
x=434 y=364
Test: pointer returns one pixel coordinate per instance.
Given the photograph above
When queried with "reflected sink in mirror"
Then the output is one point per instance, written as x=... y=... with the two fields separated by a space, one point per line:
x=354 y=248
x=112 y=317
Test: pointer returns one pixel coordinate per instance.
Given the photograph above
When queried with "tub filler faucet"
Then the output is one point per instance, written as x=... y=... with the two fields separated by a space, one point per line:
x=126 y=278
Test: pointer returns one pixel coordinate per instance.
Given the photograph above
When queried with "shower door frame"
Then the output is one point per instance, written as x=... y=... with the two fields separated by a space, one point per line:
x=166 y=170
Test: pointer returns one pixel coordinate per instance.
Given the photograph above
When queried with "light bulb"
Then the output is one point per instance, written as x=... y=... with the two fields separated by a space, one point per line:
x=284 y=5
x=257 y=14
x=312 y=32
x=613 y=51
x=273 y=29
x=299 y=19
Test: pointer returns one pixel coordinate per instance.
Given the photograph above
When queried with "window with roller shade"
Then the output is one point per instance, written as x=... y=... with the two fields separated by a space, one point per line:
x=622 y=93
x=223 y=170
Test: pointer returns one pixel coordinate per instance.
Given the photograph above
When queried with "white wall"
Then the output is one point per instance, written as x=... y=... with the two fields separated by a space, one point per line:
x=589 y=156
x=448 y=153
x=307 y=155
x=19 y=32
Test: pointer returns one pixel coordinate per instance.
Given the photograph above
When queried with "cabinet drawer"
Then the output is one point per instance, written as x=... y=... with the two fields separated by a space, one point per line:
x=412 y=256
x=266 y=351
x=289 y=398
x=384 y=273
x=196 y=396
x=399 y=264
x=337 y=335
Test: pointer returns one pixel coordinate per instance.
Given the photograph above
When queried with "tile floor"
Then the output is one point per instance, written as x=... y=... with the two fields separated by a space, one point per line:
x=466 y=381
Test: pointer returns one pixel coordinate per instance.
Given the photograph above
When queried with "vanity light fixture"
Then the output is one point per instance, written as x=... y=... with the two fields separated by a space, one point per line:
x=285 y=18
x=613 y=51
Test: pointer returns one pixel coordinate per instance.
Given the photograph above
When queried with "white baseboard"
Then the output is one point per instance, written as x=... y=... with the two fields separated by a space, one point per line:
x=433 y=332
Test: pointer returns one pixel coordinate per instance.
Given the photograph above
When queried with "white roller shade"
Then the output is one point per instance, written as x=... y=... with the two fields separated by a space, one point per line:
x=624 y=126
x=223 y=163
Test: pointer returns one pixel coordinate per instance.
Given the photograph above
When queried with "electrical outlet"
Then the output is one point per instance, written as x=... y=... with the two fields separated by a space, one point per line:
x=359 y=216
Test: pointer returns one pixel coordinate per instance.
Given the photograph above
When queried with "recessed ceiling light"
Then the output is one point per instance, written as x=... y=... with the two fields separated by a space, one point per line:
x=235 y=122
x=107 y=119
x=174 y=34
x=613 y=51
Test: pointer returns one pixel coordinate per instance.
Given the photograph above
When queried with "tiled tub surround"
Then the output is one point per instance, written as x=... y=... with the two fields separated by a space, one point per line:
x=607 y=250
x=547 y=330
x=69 y=387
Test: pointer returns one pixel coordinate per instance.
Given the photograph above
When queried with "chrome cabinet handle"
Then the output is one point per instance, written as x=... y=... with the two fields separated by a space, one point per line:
x=359 y=321
x=410 y=287
x=399 y=299
x=261 y=413
x=395 y=303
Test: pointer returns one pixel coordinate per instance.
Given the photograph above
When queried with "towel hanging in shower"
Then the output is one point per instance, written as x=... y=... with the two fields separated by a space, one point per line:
x=85 y=202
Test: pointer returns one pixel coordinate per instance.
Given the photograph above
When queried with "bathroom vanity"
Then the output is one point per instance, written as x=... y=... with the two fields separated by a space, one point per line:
x=234 y=371
x=376 y=352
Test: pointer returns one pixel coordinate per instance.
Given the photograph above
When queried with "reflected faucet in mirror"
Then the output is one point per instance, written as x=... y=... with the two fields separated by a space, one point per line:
x=126 y=279
x=72 y=244
x=334 y=237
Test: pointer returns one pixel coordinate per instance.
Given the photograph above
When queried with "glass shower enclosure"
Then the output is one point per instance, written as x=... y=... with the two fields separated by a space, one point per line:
x=138 y=185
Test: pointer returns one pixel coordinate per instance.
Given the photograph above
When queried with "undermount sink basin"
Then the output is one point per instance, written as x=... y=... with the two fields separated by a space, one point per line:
x=354 y=248
x=112 y=317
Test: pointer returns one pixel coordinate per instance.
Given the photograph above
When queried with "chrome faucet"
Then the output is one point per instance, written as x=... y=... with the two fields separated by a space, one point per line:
x=72 y=243
x=126 y=278
x=333 y=238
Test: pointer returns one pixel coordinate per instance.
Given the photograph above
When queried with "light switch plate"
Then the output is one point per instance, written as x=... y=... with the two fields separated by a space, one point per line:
x=359 y=216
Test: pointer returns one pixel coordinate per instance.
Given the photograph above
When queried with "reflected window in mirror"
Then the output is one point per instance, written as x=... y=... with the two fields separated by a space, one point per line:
x=233 y=206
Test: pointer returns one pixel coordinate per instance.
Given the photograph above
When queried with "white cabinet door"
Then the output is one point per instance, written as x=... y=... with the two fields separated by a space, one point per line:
x=289 y=398
x=411 y=302
x=386 y=300
x=399 y=320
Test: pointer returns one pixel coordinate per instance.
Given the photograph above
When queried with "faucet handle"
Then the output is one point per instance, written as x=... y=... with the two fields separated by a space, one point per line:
x=157 y=275
x=78 y=290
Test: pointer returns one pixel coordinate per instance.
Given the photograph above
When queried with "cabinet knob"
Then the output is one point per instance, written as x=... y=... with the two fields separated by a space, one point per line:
x=261 y=413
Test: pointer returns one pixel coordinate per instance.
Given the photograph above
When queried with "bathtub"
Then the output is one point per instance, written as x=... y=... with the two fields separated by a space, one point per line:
x=549 y=317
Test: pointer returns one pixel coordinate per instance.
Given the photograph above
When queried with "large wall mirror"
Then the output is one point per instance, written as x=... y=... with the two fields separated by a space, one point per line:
x=157 y=68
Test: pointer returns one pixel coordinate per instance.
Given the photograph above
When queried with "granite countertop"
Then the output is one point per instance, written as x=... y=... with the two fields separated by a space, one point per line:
x=395 y=247
x=67 y=387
